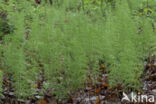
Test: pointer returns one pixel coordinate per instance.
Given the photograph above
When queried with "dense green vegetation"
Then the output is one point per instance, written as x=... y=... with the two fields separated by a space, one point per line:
x=62 y=44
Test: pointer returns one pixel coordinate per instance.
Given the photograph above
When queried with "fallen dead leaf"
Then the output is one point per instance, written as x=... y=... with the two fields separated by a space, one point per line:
x=97 y=90
x=42 y=101
x=97 y=101
x=92 y=92
x=105 y=85
x=103 y=67
x=65 y=20
x=3 y=70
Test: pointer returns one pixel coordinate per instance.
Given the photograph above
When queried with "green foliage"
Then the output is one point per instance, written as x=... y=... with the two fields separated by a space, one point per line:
x=5 y=28
x=63 y=46
x=1 y=82
x=63 y=51
x=147 y=38
x=15 y=60
x=94 y=4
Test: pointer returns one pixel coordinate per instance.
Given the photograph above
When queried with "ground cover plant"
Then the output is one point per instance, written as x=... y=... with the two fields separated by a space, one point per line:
x=56 y=49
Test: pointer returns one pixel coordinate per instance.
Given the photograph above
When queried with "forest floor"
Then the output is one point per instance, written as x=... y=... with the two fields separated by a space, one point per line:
x=97 y=93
